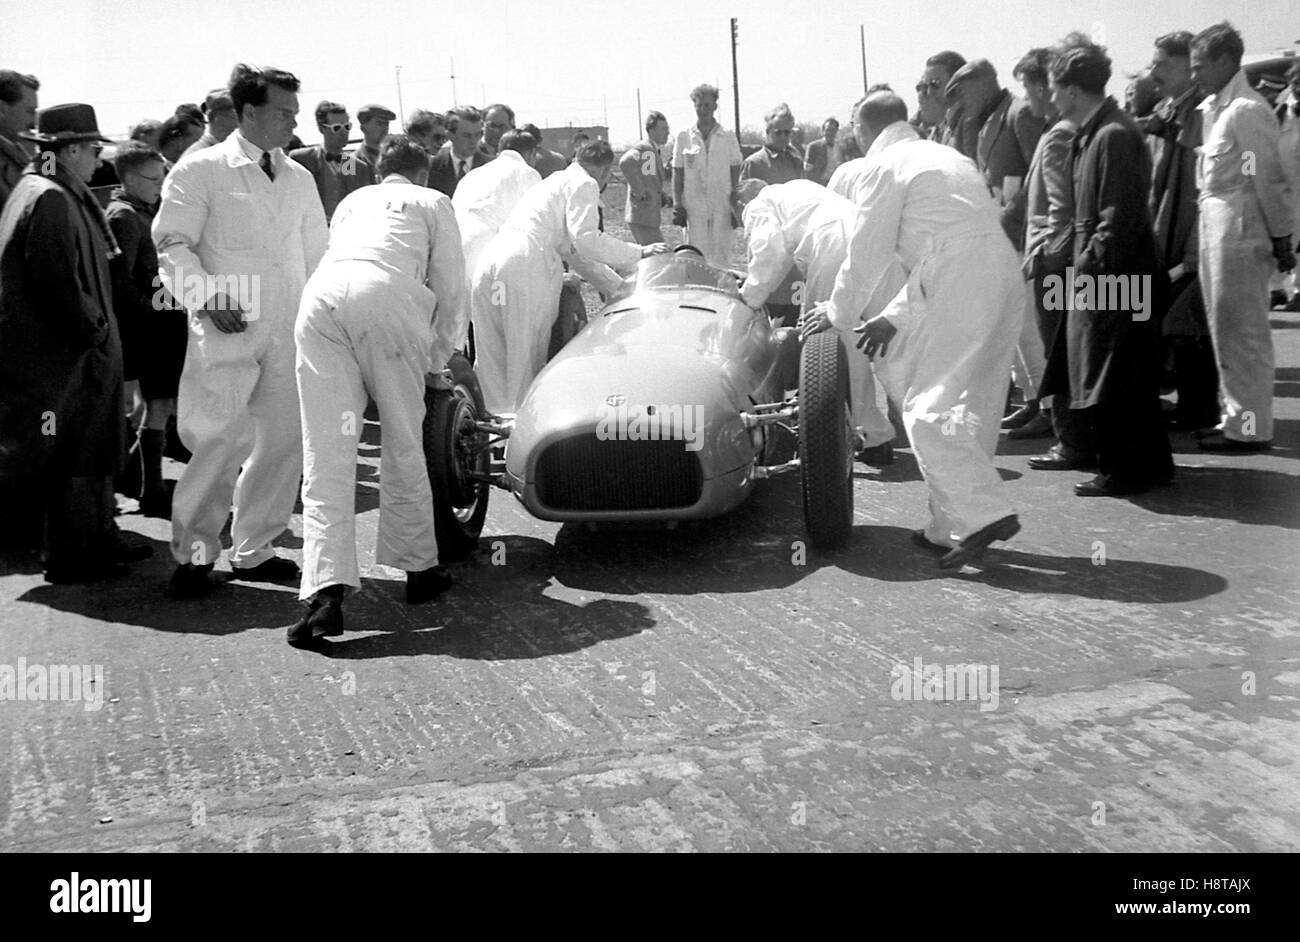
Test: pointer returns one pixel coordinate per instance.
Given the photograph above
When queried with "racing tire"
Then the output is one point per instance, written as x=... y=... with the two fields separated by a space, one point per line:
x=825 y=441
x=460 y=503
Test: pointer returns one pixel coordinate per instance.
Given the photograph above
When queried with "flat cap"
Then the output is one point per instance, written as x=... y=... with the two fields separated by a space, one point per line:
x=976 y=68
x=375 y=111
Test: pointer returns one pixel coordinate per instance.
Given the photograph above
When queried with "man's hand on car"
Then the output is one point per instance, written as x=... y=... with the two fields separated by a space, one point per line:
x=814 y=321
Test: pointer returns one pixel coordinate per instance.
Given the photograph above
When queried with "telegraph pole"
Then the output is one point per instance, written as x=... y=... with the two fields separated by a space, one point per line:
x=401 y=112
x=638 y=111
x=735 y=74
x=862 y=35
x=454 y=102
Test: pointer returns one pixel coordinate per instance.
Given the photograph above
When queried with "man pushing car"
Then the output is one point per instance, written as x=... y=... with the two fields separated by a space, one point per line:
x=947 y=338
x=801 y=224
x=383 y=309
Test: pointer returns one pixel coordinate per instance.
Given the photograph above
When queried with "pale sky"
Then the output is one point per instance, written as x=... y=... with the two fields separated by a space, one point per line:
x=566 y=61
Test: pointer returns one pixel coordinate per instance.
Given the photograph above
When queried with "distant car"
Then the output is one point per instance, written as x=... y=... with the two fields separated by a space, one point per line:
x=681 y=354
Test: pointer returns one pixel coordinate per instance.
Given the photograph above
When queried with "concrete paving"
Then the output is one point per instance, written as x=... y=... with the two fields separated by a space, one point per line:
x=705 y=688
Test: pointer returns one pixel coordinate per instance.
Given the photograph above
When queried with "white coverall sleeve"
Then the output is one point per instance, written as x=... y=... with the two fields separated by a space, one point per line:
x=770 y=259
x=1257 y=132
x=315 y=231
x=582 y=221
x=872 y=250
x=600 y=276
x=446 y=279
x=177 y=229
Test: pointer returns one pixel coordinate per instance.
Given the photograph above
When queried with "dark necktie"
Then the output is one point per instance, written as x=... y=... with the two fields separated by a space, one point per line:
x=266 y=165
x=460 y=171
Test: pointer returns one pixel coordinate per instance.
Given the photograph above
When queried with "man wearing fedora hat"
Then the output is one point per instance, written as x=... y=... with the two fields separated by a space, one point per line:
x=239 y=229
x=61 y=420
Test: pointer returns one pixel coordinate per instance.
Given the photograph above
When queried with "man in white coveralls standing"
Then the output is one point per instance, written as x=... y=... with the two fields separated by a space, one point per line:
x=947 y=338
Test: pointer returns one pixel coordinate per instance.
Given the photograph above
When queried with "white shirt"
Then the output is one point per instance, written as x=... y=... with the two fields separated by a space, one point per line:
x=561 y=211
x=776 y=221
x=706 y=166
x=220 y=215
x=491 y=192
x=912 y=194
x=1240 y=152
x=410 y=230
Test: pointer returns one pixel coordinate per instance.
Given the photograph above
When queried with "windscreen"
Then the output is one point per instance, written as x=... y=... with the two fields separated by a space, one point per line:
x=673 y=272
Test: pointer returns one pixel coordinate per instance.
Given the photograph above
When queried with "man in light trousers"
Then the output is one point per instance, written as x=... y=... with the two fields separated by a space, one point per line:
x=947 y=337
x=239 y=229
x=384 y=309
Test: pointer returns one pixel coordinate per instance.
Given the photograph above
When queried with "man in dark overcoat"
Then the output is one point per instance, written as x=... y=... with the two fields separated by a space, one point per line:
x=1116 y=291
x=61 y=420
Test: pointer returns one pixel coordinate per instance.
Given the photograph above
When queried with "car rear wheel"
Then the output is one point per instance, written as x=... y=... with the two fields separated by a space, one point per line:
x=826 y=441
x=453 y=452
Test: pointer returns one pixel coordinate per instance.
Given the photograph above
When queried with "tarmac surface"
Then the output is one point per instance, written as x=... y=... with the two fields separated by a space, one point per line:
x=705 y=688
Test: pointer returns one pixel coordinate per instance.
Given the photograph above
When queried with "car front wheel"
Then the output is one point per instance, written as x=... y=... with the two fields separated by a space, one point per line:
x=825 y=441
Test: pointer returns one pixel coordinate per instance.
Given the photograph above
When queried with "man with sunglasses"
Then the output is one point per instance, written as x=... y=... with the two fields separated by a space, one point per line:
x=936 y=124
x=336 y=173
x=773 y=163
x=497 y=120
x=428 y=129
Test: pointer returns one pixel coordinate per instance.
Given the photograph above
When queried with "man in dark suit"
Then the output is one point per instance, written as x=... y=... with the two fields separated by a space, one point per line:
x=1112 y=335
x=465 y=130
x=61 y=418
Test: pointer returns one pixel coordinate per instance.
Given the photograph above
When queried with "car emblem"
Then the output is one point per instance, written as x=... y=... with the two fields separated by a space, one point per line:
x=615 y=400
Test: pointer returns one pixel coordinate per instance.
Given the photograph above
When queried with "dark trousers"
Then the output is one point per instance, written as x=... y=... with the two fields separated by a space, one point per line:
x=1073 y=429
x=22 y=520
x=1132 y=445
x=572 y=317
x=78 y=520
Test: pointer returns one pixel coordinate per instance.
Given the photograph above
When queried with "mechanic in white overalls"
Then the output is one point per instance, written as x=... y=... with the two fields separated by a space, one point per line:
x=516 y=291
x=384 y=308
x=803 y=225
x=946 y=340
x=706 y=172
x=1245 y=234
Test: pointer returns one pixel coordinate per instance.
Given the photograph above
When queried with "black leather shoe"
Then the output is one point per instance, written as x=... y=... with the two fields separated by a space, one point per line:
x=95 y=571
x=877 y=455
x=1102 y=486
x=190 y=582
x=1022 y=416
x=1221 y=443
x=1056 y=460
x=1040 y=426
x=923 y=541
x=427 y=584
x=324 y=619
x=275 y=569
x=973 y=547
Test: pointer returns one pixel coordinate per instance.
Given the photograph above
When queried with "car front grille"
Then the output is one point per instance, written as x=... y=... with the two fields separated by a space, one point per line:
x=587 y=473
